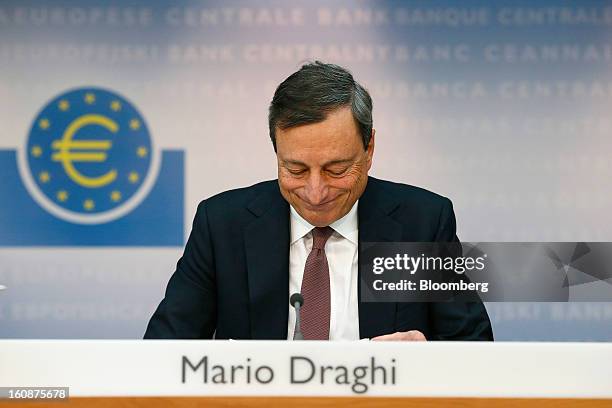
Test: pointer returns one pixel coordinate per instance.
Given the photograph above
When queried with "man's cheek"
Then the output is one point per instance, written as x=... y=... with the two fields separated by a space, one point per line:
x=345 y=183
x=289 y=183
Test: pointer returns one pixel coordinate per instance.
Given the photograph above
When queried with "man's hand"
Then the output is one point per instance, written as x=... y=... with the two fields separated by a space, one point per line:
x=412 y=335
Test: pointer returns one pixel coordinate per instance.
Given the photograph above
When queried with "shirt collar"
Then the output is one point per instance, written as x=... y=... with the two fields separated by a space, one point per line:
x=346 y=226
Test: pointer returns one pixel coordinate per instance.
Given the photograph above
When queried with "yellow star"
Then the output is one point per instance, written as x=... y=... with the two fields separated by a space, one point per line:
x=62 y=195
x=134 y=124
x=115 y=196
x=133 y=177
x=89 y=204
x=63 y=105
x=90 y=98
x=115 y=106
x=44 y=124
x=44 y=177
x=36 y=151
x=142 y=151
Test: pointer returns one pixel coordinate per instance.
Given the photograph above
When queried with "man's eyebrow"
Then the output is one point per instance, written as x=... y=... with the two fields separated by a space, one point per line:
x=339 y=161
x=296 y=162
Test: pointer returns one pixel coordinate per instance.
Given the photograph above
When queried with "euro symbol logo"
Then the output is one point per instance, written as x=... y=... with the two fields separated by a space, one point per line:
x=69 y=151
x=89 y=157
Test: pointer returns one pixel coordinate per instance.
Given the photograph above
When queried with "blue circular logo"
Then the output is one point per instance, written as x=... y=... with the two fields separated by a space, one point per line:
x=89 y=157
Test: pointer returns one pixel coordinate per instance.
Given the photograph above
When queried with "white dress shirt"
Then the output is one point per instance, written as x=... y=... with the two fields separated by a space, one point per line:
x=341 y=252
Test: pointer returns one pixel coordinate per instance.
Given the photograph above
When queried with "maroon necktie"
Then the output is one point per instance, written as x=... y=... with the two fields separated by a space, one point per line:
x=315 y=288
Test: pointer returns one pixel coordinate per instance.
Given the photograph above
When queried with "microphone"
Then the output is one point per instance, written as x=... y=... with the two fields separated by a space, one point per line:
x=297 y=301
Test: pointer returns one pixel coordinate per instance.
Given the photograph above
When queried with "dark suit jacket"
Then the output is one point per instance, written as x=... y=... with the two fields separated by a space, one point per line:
x=233 y=278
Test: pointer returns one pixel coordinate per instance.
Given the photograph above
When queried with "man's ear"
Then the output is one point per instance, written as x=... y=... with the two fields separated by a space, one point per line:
x=370 y=149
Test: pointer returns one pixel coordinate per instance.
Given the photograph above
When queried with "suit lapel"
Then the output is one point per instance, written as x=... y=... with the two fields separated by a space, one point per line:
x=376 y=225
x=267 y=253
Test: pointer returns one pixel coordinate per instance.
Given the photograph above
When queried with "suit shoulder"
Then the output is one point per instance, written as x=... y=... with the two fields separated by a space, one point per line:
x=238 y=197
x=407 y=192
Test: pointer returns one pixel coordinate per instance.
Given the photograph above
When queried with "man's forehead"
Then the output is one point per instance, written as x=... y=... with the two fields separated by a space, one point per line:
x=327 y=163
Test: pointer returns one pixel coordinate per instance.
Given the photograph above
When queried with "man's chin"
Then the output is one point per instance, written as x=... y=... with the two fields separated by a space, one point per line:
x=322 y=215
x=318 y=219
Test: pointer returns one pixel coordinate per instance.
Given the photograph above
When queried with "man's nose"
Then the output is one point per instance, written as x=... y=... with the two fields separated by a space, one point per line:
x=316 y=189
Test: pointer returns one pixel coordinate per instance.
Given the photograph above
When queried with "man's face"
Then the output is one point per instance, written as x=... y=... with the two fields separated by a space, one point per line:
x=323 y=167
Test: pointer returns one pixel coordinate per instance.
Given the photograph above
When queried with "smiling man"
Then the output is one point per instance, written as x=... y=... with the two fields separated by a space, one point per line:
x=251 y=248
x=323 y=167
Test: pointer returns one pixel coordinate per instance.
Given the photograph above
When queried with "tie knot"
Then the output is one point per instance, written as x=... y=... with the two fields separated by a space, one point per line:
x=320 y=235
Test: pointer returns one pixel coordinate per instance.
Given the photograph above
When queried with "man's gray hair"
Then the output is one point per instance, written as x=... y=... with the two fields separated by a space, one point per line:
x=316 y=89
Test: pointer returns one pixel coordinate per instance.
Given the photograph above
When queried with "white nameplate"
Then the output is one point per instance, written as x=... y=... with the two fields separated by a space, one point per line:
x=282 y=368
